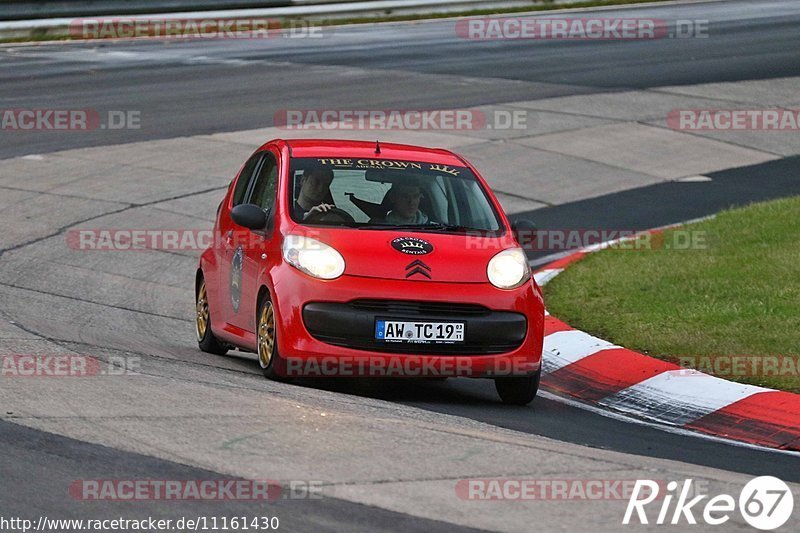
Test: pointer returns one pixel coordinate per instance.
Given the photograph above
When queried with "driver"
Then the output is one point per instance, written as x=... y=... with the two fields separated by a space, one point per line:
x=315 y=188
x=405 y=204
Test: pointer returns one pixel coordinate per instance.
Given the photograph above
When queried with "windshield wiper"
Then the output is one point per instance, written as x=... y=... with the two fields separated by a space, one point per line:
x=396 y=226
x=377 y=226
x=436 y=226
x=451 y=227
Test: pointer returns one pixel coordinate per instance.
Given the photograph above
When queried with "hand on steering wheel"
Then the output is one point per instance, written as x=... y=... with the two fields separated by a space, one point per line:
x=328 y=213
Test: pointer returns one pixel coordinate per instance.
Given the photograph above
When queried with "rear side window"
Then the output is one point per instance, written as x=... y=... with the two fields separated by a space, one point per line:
x=244 y=178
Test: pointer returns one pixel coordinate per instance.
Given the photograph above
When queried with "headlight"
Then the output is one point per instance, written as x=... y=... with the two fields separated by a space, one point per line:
x=508 y=269
x=313 y=257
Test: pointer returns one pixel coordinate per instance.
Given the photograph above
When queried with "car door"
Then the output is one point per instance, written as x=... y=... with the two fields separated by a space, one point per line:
x=227 y=244
x=255 y=247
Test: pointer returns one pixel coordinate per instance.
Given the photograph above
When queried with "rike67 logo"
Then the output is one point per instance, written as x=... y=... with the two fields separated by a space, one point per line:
x=766 y=503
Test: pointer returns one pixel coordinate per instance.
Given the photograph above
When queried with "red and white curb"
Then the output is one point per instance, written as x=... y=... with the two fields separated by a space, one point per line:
x=598 y=372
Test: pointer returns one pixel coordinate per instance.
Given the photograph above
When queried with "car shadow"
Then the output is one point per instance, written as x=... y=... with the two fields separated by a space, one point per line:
x=460 y=391
x=427 y=392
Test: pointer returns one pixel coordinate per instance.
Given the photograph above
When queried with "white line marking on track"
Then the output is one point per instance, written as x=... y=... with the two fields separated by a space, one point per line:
x=668 y=429
x=546 y=275
x=565 y=347
x=694 y=179
x=679 y=397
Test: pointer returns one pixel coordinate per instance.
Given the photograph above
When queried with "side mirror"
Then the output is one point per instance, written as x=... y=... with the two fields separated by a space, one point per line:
x=525 y=232
x=250 y=216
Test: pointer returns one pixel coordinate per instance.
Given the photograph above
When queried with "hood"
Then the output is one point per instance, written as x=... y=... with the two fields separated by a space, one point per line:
x=414 y=255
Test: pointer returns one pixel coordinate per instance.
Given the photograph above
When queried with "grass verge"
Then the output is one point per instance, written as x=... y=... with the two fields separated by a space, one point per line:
x=729 y=305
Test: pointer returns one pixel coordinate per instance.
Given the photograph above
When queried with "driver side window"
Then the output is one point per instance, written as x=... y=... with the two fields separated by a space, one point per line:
x=264 y=189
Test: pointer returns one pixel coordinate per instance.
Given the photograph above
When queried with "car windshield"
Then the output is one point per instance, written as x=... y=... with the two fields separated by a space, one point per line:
x=381 y=194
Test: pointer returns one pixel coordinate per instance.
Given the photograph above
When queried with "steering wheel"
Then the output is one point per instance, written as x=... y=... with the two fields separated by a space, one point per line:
x=332 y=215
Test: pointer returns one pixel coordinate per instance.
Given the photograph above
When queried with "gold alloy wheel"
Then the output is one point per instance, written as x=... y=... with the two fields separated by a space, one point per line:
x=266 y=334
x=202 y=312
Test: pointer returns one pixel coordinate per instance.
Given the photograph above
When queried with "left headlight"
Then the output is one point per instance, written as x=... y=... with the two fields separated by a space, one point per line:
x=313 y=257
x=509 y=269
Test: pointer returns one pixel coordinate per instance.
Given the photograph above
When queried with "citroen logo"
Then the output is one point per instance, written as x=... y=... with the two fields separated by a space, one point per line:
x=418 y=267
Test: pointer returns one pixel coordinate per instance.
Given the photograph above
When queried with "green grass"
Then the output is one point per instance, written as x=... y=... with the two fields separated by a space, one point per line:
x=740 y=296
x=61 y=34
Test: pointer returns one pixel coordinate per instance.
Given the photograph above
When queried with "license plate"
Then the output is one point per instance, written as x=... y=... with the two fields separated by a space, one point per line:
x=419 y=332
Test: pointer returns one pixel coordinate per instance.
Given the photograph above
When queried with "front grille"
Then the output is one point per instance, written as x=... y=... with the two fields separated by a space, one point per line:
x=352 y=325
x=404 y=307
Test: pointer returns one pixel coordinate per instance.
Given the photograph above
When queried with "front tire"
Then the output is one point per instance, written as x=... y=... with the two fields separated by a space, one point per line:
x=270 y=361
x=518 y=390
x=205 y=337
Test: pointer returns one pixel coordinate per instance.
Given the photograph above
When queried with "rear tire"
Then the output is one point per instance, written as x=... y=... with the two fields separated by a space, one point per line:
x=518 y=390
x=205 y=337
x=270 y=361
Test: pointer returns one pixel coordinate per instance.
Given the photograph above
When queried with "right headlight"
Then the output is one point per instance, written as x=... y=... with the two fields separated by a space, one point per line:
x=508 y=269
x=313 y=257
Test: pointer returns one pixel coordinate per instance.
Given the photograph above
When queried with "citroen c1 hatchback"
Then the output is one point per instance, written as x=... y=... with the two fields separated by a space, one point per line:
x=351 y=258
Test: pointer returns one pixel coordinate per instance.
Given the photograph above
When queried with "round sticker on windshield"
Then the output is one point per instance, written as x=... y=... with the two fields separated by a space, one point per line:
x=412 y=246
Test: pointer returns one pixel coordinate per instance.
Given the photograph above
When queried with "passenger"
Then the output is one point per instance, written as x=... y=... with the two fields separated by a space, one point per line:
x=405 y=199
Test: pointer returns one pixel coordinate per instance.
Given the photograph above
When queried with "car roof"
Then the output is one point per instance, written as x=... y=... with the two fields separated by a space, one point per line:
x=366 y=149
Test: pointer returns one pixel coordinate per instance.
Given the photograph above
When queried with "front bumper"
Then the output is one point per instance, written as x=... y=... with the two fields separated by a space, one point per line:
x=327 y=327
x=352 y=325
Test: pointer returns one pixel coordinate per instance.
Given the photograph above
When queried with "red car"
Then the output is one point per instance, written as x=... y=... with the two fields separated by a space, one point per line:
x=350 y=258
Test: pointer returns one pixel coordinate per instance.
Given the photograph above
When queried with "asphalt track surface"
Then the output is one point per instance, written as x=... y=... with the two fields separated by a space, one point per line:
x=672 y=202
x=45 y=463
x=175 y=92
x=184 y=88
